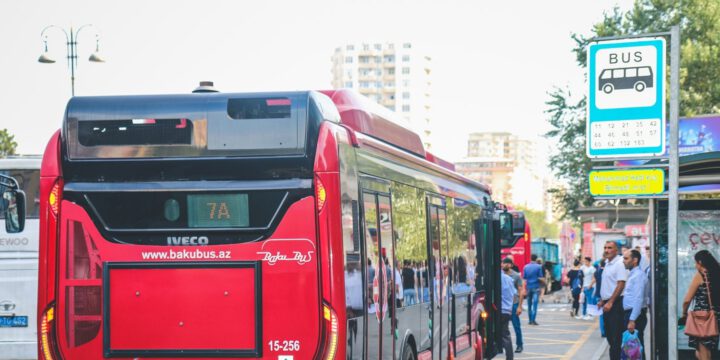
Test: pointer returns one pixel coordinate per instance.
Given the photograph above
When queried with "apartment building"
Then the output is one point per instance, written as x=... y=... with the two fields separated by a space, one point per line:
x=509 y=165
x=395 y=75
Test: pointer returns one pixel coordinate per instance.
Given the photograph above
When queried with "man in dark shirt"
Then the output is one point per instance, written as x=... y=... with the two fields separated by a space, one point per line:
x=408 y=282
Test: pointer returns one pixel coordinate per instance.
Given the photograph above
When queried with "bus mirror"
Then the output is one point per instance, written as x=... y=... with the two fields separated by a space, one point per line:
x=14 y=210
x=506 y=227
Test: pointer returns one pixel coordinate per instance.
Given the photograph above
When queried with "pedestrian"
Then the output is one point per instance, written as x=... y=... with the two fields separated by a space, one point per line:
x=514 y=267
x=613 y=284
x=599 y=267
x=543 y=280
x=634 y=300
x=588 y=272
x=704 y=290
x=517 y=301
x=575 y=278
x=408 y=283
x=645 y=263
x=507 y=294
x=533 y=275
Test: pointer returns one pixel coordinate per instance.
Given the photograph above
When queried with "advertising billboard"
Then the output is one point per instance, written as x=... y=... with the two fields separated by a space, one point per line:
x=698 y=230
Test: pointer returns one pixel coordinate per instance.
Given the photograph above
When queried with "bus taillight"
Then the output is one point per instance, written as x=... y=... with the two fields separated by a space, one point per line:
x=331 y=338
x=320 y=194
x=54 y=198
x=47 y=334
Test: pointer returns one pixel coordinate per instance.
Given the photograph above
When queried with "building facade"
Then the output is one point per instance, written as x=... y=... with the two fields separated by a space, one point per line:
x=395 y=75
x=510 y=166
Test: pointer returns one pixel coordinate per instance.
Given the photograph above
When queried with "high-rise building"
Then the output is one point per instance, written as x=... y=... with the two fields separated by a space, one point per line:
x=503 y=145
x=509 y=165
x=395 y=75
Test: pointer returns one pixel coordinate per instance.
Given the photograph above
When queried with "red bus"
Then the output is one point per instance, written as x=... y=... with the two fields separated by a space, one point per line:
x=519 y=246
x=288 y=225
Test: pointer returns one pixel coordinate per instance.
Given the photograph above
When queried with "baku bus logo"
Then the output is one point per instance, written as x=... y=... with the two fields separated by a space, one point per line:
x=282 y=250
x=638 y=78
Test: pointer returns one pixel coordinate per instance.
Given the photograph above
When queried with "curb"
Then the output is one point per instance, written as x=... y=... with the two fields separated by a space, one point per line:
x=600 y=351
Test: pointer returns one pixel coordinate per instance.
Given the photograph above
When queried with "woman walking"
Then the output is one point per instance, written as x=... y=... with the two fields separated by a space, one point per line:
x=575 y=278
x=704 y=290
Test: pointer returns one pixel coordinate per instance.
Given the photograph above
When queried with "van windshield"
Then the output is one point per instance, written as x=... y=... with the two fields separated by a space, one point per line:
x=29 y=182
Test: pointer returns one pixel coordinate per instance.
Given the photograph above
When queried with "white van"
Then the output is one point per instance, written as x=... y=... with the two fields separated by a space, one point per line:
x=19 y=266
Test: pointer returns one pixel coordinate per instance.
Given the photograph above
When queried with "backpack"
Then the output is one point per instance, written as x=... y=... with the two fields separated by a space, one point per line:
x=576 y=284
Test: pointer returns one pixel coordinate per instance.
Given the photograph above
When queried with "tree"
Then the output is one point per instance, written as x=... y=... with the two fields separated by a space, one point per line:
x=699 y=22
x=7 y=144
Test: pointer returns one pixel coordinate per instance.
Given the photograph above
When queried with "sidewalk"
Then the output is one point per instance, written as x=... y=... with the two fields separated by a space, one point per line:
x=560 y=336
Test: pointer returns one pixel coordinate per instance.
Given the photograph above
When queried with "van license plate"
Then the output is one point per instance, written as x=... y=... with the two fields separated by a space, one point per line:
x=13 y=321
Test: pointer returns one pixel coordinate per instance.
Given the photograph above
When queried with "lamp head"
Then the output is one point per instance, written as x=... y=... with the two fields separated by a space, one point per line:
x=95 y=57
x=45 y=58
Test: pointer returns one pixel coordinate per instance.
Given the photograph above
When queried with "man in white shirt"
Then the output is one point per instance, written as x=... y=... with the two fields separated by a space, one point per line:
x=588 y=272
x=634 y=298
x=611 y=290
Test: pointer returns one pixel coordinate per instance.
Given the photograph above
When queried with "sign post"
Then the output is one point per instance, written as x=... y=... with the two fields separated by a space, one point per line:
x=673 y=184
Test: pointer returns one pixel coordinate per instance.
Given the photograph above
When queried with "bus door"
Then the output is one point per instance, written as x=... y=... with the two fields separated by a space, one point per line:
x=380 y=271
x=494 y=286
x=439 y=267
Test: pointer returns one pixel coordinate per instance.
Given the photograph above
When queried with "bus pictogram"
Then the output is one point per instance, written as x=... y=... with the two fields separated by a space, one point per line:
x=638 y=78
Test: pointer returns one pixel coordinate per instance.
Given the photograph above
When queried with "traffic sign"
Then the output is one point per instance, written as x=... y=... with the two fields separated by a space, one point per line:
x=637 y=182
x=626 y=99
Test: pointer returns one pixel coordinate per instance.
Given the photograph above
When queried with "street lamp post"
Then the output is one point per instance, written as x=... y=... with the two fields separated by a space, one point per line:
x=72 y=53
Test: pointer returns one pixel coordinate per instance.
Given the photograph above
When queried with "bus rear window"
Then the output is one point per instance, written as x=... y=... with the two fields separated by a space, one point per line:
x=135 y=132
x=275 y=108
x=181 y=126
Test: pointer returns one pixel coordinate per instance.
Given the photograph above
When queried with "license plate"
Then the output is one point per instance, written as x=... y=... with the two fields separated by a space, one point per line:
x=13 y=321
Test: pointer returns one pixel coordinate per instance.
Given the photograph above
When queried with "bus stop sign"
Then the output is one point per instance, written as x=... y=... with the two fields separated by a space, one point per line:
x=626 y=99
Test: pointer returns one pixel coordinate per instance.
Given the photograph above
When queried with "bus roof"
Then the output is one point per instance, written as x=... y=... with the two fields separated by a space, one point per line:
x=364 y=116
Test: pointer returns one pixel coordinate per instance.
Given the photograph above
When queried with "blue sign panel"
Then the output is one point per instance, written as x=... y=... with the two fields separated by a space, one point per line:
x=626 y=98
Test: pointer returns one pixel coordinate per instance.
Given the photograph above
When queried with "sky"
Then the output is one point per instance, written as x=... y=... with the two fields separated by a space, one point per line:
x=493 y=62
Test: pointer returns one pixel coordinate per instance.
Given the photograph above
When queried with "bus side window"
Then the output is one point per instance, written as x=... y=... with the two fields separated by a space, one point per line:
x=632 y=72
x=618 y=73
x=372 y=250
x=410 y=244
x=644 y=71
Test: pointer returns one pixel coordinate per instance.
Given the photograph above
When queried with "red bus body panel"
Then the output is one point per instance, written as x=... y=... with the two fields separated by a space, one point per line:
x=522 y=251
x=288 y=261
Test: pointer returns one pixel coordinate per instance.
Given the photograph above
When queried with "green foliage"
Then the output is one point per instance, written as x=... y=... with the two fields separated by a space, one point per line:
x=539 y=227
x=569 y=162
x=409 y=222
x=699 y=22
x=7 y=144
